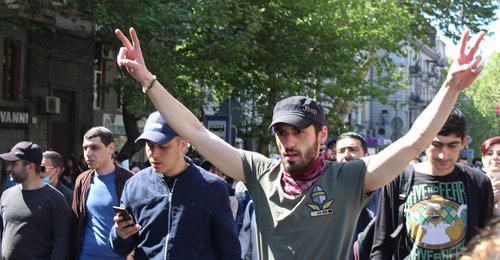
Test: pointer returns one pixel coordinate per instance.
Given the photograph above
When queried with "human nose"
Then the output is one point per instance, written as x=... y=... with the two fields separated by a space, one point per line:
x=444 y=154
x=347 y=154
x=87 y=153
x=289 y=141
x=155 y=152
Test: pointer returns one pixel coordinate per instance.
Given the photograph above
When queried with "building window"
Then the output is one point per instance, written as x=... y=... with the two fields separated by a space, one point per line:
x=98 y=93
x=108 y=59
x=98 y=79
x=11 y=69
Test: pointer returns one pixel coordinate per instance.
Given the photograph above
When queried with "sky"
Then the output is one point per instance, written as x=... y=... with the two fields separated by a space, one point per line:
x=489 y=45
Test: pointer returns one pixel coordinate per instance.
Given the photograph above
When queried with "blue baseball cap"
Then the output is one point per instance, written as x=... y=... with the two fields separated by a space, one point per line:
x=331 y=141
x=157 y=130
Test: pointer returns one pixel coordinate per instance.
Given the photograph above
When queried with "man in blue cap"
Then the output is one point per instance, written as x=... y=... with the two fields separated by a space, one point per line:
x=179 y=210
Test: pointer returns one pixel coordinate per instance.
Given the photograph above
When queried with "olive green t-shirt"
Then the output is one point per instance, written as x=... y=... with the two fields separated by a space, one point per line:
x=318 y=224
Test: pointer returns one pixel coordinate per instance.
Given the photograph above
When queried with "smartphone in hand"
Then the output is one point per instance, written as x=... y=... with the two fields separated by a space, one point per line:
x=123 y=213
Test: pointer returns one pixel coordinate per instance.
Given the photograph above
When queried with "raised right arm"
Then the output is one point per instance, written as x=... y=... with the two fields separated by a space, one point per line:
x=182 y=120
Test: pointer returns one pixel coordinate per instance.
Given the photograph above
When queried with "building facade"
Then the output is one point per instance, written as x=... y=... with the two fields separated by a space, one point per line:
x=52 y=72
x=383 y=123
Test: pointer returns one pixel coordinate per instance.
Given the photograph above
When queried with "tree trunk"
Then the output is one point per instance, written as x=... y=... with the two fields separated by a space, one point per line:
x=132 y=130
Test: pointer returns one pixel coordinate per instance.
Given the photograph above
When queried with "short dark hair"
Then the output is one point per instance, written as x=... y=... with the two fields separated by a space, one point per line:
x=455 y=124
x=317 y=127
x=56 y=158
x=354 y=136
x=102 y=132
x=206 y=165
x=38 y=168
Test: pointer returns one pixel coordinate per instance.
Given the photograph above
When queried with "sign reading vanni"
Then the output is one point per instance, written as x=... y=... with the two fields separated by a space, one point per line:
x=14 y=118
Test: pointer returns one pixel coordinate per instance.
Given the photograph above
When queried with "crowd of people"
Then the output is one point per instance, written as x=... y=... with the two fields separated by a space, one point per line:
x=324 y=198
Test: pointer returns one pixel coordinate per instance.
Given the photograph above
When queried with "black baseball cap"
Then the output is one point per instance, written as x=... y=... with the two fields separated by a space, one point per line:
x=298 y=111
x=24 y=150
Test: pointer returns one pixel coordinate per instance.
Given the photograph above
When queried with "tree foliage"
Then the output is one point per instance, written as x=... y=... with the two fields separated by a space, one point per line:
x=479 y=102
x=262 y=51
x=450 y=16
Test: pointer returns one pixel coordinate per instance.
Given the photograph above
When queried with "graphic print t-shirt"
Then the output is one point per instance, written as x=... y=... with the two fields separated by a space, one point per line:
x=436 y=216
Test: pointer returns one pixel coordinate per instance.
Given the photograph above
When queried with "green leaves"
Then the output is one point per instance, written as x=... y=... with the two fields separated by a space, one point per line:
x=262 y=51
x=479 y=102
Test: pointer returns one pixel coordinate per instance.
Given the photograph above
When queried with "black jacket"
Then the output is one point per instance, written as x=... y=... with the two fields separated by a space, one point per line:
x=190 y=218
x=479 y=211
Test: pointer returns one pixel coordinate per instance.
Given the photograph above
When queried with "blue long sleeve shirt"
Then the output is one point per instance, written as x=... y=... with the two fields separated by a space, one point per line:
x=194 y=214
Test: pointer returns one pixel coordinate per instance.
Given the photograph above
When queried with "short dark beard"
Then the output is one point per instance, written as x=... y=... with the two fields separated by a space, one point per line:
x=18 y=179
x=296 y=170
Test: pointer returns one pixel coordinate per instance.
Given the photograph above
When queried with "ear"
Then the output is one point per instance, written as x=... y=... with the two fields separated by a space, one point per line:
x=183 y=145
x=323 y=134
x=32 y=167
x=465 y=140
x=112 y=147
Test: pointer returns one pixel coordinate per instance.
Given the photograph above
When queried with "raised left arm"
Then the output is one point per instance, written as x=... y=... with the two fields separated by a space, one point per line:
x=390 y=162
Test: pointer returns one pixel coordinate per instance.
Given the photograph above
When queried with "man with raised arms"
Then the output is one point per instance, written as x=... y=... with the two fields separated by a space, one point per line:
x=306 y=207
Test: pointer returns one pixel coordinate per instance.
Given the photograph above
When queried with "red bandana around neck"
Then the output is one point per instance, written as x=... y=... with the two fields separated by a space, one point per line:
x=296 y=185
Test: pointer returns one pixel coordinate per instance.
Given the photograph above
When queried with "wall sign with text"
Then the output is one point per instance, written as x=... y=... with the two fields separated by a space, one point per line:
x=218 y=125
x=9 y=118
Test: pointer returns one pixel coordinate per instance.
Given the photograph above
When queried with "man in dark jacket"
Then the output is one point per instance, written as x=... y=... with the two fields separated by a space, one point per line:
x=97 y=190
x=180 y=210
x=352 y=146
x=447 y=204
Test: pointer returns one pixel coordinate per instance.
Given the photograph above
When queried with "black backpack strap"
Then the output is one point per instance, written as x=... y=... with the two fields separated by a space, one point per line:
x=364 y=242
x=405 y=184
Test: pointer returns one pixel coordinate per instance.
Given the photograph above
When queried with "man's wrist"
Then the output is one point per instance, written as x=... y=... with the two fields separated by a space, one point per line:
x=451 y=83
x=149 y=84
x=146 y=79
x=118 y=234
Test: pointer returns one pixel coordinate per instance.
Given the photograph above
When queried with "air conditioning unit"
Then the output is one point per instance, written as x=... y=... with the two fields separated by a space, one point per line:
x=52 y=105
